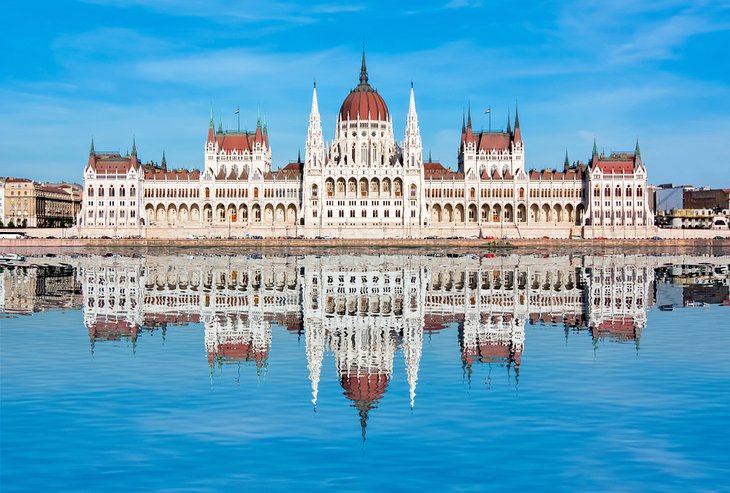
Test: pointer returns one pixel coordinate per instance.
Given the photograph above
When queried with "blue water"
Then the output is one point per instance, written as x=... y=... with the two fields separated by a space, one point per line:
x=576 y=412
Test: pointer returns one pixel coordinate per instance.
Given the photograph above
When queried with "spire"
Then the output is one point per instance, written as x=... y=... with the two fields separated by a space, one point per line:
x=134 y=147
x=412 y=103
x=429 y=155
x=595 y=148
x=259 y=134
x=566 y=163
x=509 y=125
x=468 y=118
x=212 y=124
x=220 y=125
x=518 y=133
x=164 y=161
x=463 y=122
x=363 y=69
x=637 y=151
x=315 y=103
x=299 y=155
x=92 y=152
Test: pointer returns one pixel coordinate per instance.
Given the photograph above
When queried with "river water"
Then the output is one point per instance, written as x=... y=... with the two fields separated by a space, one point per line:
x=365 y=372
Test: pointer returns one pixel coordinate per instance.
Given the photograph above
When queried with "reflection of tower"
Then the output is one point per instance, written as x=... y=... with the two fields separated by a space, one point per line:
x=617 y=296
x=493 y=339
x=113 y=295
x=237 y=337
x=362 y=314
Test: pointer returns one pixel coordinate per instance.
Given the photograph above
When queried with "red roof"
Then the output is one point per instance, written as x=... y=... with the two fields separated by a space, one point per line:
x=110 y=164
x=486 y=141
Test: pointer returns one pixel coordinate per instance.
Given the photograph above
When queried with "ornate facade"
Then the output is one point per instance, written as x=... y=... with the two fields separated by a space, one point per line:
x=366 y=184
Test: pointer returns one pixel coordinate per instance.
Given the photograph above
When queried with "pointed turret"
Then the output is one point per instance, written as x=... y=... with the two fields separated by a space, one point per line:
x=211 y=128
x=429 y=156
x=92 y=152
x=595 y=149
x=412 y=144
x=566 y=163
x=134 y=147
x=509 y=124
x=259 y=133
x=469 y=133
x=220 y=125
x=266 y=132
x=314 y=146
x=164 y=161
x=637 y=151
x=363 y=69
x=518 y=133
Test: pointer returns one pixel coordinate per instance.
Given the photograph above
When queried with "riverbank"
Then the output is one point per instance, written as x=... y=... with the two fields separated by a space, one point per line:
x=288 y=243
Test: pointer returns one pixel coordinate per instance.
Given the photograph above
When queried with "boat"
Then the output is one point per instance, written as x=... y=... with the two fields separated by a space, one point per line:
x=666 y=308
x=11 y=257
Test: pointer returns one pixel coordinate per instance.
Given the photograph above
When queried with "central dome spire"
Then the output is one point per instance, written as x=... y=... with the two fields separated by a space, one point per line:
x=363 y=69
x=364 y=102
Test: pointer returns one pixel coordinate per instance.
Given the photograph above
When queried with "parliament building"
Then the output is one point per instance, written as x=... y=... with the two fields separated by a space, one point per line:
x=365 y=184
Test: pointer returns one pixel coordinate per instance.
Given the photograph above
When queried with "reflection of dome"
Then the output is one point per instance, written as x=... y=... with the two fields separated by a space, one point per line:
x=365 y=391
x=363 y=102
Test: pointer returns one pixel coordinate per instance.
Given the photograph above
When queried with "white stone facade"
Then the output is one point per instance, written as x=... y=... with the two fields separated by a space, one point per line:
x=365 y=184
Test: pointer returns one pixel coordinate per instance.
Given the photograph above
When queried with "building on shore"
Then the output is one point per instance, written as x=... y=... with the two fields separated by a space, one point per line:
x=32 y=204
x=365 y=184
x=688 y=207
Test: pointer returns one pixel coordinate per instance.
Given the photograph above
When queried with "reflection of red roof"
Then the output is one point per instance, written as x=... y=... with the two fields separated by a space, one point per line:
x=238 y=352
x=368 y=387
x=617 y=330
x=112 y=329
x=491 y=352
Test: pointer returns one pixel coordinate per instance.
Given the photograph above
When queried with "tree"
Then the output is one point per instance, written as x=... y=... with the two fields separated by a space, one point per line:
x=11 y=224
x=2 y=225
x=25 y=223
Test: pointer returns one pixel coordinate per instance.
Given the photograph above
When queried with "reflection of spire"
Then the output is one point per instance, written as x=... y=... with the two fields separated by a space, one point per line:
x=314 y=342
x=412 y=347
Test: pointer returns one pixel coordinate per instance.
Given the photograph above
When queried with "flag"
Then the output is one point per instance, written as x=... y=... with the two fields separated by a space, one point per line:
x=238 y=110
x=488 y=110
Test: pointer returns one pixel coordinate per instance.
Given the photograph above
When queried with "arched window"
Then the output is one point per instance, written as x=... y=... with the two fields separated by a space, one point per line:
x=607 y=192
x=91 y=192
x=101 y=191
x=121 y=191
x=413 y=191
x=472 y=193
x=314 y=191
x=111 y=191
x=618 y=191
x=522 y=193
x=639 y=192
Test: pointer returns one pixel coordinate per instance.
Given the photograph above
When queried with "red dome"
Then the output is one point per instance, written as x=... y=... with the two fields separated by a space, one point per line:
x=364 y=102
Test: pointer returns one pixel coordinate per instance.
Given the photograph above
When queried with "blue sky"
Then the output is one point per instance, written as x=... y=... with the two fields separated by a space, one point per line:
x=114 y=69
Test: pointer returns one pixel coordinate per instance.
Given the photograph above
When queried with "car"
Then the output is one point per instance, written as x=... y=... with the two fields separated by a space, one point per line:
x=603 y=238
x=106 y=237
x=488 y=255
x=489 y=238
x=720 y=238
x=545 y=237
x=74 y=237
x=656 y=238
x=258 y=237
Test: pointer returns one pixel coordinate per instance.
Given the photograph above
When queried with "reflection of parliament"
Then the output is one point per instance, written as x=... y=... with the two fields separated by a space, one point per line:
x=361 y=308
x=365 y=184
